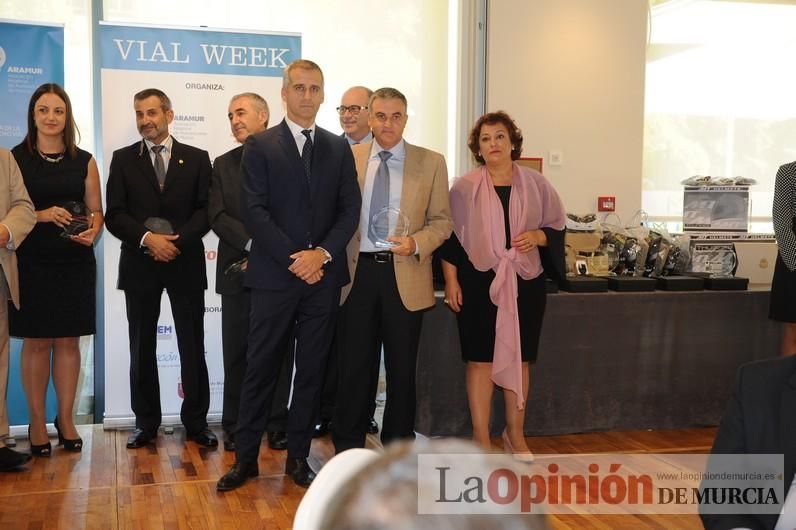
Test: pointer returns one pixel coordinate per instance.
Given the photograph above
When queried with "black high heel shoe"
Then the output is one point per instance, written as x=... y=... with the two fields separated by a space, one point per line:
x=40 y=450
x=74 y=445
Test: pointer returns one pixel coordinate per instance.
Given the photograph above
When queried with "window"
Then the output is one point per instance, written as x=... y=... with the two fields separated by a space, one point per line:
x=718 y=100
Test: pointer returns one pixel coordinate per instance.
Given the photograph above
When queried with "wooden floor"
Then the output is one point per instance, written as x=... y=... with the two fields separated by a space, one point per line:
x=172 y=485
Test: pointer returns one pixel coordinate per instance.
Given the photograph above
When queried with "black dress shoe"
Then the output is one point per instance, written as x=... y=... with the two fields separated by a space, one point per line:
x=10 y=459
x=373 y=427
x=322 y=428
x=300 y=471
x=277 y=440
x=237 y=476
x=229 y=441
x=140 y=438
x=205 y=438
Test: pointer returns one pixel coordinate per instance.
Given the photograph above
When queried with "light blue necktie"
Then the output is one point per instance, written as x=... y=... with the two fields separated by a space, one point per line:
x=380 y=198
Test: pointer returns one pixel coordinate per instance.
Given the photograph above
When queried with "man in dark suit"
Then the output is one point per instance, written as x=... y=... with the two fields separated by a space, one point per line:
x=248 y=114
x=301 y=206
x=157 y=207
x=760 y=419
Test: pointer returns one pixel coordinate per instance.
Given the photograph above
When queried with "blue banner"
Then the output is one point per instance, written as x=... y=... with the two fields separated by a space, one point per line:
x=196 y=51
x=30 y=54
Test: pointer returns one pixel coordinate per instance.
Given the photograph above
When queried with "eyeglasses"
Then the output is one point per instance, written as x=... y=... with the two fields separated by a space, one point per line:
x=353 y=109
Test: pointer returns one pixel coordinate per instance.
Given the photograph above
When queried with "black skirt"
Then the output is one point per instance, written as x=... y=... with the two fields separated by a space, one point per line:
x=478 y=315
x=56 y=299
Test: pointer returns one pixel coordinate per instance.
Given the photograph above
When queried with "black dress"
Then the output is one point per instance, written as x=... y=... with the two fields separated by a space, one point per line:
x=57 y=277
x=477 y=317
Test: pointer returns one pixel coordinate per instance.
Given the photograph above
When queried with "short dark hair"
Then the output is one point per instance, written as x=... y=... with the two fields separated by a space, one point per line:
x=71 y=133
x=494 y=118
x=387 y=93
x=165 y=102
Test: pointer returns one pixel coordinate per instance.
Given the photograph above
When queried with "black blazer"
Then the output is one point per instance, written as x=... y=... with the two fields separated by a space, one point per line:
x=224 y=211
x=133 y=195
x=760 y=419
x=284 y=214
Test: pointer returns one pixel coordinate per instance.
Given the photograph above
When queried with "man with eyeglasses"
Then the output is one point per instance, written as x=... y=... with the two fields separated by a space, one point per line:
x=354 y=115
x=300 y=206
x=389 y=289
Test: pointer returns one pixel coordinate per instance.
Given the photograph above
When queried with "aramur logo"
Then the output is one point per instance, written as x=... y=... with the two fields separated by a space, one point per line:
x=2 y=57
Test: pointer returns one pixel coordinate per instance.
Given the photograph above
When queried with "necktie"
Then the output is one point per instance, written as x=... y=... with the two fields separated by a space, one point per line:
x=306 y=154
x=160 y=168
x=380 y=198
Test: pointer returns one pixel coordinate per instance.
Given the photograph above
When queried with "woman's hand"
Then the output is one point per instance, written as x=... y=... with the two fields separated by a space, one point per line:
x=529 y=240
x=87 y=237
x=54 y=214
x=453 y=296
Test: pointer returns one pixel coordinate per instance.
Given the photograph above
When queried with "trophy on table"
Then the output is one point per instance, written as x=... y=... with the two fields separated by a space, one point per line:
x=388 y=222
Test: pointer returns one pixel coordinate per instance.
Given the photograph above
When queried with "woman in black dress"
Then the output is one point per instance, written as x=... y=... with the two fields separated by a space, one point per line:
x=57 y=271
x=503 y=214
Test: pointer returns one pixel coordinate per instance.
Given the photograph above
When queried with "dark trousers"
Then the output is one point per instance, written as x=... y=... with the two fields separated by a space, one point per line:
x=187 y=308
x=312 y=309
x=330 y=382
x=234 y=340
x=374 y=316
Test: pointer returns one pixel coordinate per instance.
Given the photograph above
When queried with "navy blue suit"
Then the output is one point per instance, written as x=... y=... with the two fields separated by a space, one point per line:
x=284 y=213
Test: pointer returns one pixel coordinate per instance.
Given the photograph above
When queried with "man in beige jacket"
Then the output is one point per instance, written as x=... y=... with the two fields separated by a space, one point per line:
x=17 y=218
x=390 y=286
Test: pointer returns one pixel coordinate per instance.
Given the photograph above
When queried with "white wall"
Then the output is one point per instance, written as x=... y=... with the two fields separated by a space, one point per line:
x=571 y=73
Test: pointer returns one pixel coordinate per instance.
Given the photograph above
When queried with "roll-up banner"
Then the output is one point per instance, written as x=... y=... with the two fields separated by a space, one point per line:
x=200 y=70
x=30 y=54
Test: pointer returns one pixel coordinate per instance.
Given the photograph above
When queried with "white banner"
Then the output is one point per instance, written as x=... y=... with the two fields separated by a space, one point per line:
x=200 y=70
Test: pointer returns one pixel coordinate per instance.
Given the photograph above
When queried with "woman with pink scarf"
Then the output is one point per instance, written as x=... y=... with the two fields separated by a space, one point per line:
x=508 y=229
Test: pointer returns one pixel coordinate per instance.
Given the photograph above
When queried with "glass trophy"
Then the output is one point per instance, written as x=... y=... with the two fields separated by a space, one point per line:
x=716 y=260
x=158 y=225
x=237 y=267
x=726 y=266
x=388 y=222
x=81 y=219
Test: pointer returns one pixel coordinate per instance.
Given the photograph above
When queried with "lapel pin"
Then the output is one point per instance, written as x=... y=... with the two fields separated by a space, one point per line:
x=181 y=162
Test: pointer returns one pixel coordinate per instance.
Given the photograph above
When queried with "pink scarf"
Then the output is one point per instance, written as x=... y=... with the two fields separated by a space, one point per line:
x=479 y=224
